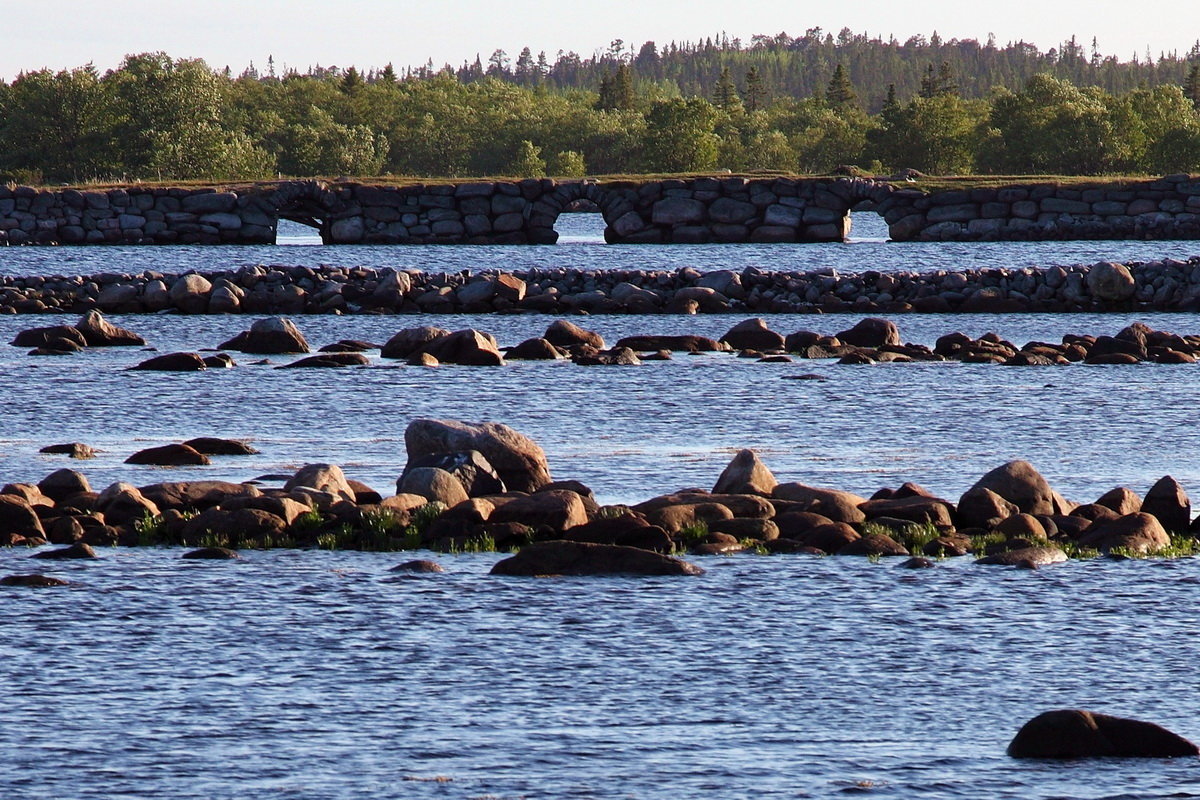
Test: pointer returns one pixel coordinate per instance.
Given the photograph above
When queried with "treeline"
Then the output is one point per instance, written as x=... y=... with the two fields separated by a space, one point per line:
x=158 y=118
x=800 y=66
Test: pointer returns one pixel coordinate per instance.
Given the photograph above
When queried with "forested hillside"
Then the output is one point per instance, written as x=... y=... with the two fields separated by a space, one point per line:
x=806 y=105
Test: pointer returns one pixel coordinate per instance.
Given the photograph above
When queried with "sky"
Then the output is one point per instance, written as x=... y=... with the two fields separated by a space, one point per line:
x=373 y=33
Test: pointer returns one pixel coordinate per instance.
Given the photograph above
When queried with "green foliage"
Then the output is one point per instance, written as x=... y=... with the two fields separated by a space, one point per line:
x=680 y=108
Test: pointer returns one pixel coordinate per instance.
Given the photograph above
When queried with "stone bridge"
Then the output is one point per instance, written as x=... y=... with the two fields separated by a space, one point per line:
x=721 y=209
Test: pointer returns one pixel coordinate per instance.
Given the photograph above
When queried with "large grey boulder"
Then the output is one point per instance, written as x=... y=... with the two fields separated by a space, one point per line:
x=1071 y=733
x=1111 y=282
x=323 y=478
x=190 y=293
x=411 y=341
x=559 y=557
x=518 y=460
x=746 y=474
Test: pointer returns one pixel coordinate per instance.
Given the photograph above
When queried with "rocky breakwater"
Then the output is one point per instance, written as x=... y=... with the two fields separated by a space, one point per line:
x=485 y=486
x=1166 y=285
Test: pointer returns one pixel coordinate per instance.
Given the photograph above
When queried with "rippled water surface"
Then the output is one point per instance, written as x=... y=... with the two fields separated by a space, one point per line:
x=581 y=245
x=319 y=675
x=322 y=675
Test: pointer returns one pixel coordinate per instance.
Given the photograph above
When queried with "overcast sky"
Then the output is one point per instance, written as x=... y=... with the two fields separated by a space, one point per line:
x=372 y=33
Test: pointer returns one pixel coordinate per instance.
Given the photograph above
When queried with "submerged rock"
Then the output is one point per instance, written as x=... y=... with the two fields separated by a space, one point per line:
x=1070 y=733
x=560 y=557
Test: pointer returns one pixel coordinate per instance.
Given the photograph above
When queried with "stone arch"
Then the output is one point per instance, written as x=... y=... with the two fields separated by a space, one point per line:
x=620 y=216
x=310 y=203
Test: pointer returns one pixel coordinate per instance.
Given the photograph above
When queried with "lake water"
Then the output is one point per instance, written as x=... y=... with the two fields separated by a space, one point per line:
x=322 y=675
x=581 y=246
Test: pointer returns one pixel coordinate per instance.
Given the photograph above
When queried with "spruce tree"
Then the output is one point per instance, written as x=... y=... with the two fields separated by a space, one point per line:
x=840 y=94
x=1191 y=87
x=754 y=89
x=725 y=96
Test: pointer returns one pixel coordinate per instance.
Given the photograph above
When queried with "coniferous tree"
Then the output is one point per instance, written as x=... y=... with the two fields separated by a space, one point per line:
x=725 y=96
x=840 y=94
x=1191 y=87
x=754 y=89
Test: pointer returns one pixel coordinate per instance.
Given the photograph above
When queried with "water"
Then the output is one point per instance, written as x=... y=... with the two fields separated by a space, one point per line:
x=582 y=247
x=322 y=675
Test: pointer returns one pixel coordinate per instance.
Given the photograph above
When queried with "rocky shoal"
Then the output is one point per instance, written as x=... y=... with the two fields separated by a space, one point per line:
x=869 y=341
x=488 y=487
x=1166 y=285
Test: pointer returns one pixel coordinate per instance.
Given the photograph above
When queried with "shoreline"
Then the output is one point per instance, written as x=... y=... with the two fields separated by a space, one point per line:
x=1162 y=285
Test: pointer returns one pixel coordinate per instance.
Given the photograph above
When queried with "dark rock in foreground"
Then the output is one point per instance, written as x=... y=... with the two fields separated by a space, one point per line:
x=580 y=558
x=419 y=566
x=77 y=550
x=212 y=554
x=34 y=581
x=1069 y=733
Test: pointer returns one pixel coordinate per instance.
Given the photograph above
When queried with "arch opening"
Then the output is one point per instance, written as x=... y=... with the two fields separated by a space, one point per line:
x=866 y=223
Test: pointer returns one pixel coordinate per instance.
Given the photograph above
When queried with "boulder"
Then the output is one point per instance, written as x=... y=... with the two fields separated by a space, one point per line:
x=17 y=517
x=1025 y=526
x=557 y=509
x=99 y=332
x=210 y=446
x=173 y=362
x=1121 y=500
x=753 y=334
x=979 y=506
x=763 y=530
x=195 y=495
x=874 y=544
x=1137 y=533
x=567 y=335
x=839 y=506
x=434 y=484
x=418 y=567
x=123 y=504
x=271 y=336
x=1111 y=282
x=618 y=357
x=328 y=361
x=1025 y=557
x=323 y=478
x=831 y=538
x=746 y=474
x=190 y=293
x=212 y=554
x=912 y=508
x=251 y=525
x=64 y=483
x=73 y=449
x=871 y=332
x=1168 y=501
x=33 y=581
x=169 y=455
x=1018 y=483
x=79 y=550
x=675 y=518
x=517 y=459
x=469 y=348
x=51 y=337
x=687 y=343
x=477 y=476
x=560 y=557
x=1071 y=733
x=411 y=341
x=534 y=350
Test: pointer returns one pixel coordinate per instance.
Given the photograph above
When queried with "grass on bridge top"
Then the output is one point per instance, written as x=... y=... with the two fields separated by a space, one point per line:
x=925 y=183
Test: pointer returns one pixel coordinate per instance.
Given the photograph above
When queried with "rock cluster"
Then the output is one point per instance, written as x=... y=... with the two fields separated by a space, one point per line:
x=486 y=485
x=1166 y=285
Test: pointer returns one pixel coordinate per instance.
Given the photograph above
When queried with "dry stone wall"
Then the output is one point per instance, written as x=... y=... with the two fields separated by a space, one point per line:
x=728 y=209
